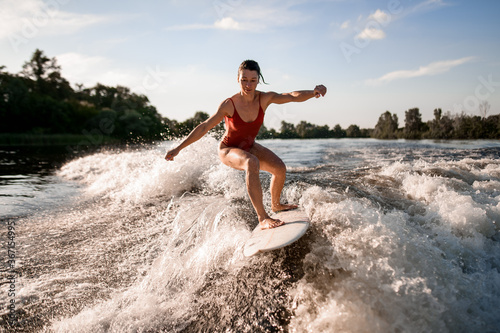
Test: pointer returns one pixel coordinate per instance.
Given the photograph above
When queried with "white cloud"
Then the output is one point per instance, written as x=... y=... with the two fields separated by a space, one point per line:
x=256 y=16
x=345 y=25
x=373 y=26
x=380 y=16
x=369 y=27
x=428 y=5
x=429 y=70
x=89 y=70
x=266 y=16
x=227 y=23
x=375 y=22
x=371 y=33
x=29 y=18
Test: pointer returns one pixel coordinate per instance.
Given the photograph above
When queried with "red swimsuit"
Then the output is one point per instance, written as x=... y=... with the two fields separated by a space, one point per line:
x=239 y=133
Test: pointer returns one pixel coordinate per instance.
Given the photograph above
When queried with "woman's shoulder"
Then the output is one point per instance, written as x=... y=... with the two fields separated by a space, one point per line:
x=265 y=98
x=227 y=107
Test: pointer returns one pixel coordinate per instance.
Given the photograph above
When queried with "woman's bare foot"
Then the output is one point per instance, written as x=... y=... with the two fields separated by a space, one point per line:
x=270 y=223
x=282 y=208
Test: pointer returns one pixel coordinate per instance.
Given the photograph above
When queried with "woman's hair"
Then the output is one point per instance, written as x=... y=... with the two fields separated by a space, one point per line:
x=251 y=65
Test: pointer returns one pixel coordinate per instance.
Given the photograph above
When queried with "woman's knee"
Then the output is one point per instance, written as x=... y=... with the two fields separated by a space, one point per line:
x=252 y=164
x=279 y=168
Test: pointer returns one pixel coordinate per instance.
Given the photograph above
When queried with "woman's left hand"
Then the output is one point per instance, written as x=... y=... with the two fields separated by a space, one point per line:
x=320 y=90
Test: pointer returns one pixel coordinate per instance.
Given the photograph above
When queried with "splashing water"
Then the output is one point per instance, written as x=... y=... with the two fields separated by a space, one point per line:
x=404 y=237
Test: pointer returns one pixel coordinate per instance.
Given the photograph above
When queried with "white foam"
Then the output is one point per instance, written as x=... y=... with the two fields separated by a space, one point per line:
x=412 y=246
x=380 y=271
x=138 y=176
x=205 y=234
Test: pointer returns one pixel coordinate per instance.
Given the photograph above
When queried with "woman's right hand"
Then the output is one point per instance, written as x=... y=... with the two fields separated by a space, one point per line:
x=171 y=154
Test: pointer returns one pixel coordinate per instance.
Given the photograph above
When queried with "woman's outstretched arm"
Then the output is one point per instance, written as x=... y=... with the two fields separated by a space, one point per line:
x=199 y=131
x=295 y=96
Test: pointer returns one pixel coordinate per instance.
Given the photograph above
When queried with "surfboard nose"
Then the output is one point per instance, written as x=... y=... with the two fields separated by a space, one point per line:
x=262 y=240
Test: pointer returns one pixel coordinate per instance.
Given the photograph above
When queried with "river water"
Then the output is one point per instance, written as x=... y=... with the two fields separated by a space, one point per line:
x=404 y=238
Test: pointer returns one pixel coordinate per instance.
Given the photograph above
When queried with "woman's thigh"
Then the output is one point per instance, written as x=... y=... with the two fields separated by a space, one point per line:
x=236 y=158
x=269 y=161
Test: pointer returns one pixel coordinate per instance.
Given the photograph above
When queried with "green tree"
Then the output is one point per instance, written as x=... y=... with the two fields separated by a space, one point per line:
x=16 y=115
x=353 y=131
x=322 y=131
x=446 y=126
x=45 y=75
x=338 y=132
x=492 y=127
x=287 y=130
x=134 y=125
x=304 y=130
x=441 y=127
x=434 y=125
x=466 y=127
x=188 y=125
x=386 y=127
x=263 y=133
x=171 y=128
x=128 y=116
x=413 y=124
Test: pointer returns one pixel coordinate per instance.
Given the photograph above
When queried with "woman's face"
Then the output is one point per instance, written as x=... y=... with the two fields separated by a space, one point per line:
x=248 y=80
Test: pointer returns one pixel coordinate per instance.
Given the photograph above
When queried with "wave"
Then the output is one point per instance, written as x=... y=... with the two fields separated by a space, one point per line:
x=433 y=266
x=142 y=175
x=395 y=245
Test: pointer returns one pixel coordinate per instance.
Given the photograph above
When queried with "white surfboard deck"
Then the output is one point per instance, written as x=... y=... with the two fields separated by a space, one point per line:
x=296 y=225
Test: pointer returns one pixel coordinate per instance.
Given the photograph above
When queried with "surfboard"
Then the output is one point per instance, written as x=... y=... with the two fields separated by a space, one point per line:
x=263 y=240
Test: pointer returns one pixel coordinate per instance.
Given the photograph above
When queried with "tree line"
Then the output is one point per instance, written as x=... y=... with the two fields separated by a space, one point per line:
x=444 y=126
x=40 y=101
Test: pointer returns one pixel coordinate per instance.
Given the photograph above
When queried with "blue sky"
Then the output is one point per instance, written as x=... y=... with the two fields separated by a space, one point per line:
x=373 y=56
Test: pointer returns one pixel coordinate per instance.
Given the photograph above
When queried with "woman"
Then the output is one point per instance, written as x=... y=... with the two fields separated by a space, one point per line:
x=244 y=115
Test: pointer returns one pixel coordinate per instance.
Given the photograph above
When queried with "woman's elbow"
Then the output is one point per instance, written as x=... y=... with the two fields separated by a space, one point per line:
x=204 y=127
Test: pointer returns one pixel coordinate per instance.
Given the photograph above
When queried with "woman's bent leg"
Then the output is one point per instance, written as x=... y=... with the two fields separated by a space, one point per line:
x=242 y=160
x=254 y=188
x=271 y=163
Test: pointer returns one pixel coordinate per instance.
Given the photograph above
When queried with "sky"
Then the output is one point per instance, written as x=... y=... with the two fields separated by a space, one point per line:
x=373 y=56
